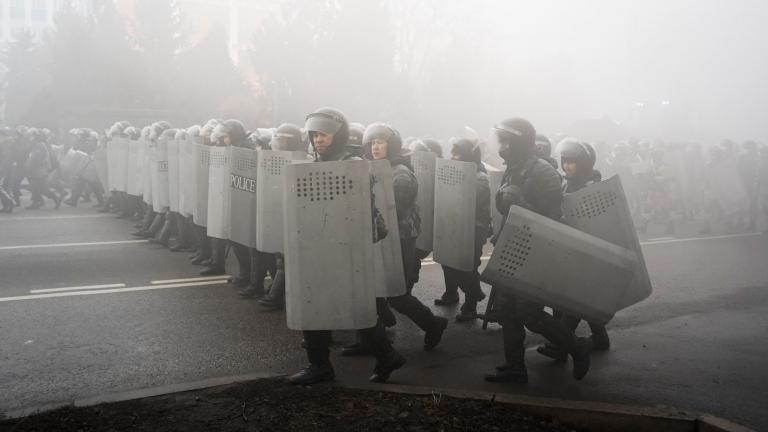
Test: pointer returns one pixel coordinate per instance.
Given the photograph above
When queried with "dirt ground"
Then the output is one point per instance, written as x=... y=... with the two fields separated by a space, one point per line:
x=272 y=405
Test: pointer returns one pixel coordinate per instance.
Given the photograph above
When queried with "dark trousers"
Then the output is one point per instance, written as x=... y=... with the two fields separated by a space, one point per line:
x=571 y=323
x=263 y=263
x=218 y=252
x=203 y=241
x=39 y=187
x=468 y=281
x=186 y=231
x=243 y=256
x=317 y=344
x=517 y=315
x=407 y=304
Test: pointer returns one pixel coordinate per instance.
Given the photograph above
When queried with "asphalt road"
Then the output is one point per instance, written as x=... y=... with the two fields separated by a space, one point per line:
x=698 y=344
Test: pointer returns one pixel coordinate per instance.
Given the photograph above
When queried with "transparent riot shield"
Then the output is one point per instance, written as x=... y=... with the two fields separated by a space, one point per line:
x=601 y=210
x=390 y=275
x=202 y=173
x=454 y=230
x=242 y=183
x=329 y=262
x=269 y=196
x=559 y=266
x=160 y=200
x=219 y=193
x=424 y=170
x=173 y=175
x=112 y=157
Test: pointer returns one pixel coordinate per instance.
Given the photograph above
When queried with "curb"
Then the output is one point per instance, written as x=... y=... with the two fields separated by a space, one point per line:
x=596 y=416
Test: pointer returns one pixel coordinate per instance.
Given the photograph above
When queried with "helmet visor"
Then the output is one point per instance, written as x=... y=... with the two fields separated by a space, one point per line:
x=322 y=122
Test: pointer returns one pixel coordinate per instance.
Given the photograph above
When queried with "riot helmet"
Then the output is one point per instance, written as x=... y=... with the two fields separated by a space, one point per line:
x=327 y=121
x=579 y=156
x=466 y=150
x=355 y=143
x=516 y=139
x=181 y=134
x=288 y=137
x=157 y=129
x=543 y=146
x=229 y=133
x=382 y=133
x=434 y=146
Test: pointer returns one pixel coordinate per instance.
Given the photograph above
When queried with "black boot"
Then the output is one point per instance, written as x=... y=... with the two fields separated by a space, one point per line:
x=252 y=291
x=435 y=334
x=508 y=374
x=599 y=339
x=313 y=374
x=275 y=300
x=468 y=311
x=383 y=370
x=448 y=299
x=212 y=271
x=553 y=351
x=580 y=353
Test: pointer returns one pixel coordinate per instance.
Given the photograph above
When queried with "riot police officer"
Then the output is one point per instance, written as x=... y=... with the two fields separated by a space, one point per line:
x=328 y=134
x=577 y=158
x=532 y=183
x=467 y=150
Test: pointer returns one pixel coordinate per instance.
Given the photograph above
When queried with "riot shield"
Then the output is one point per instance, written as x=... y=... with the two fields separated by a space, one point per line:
x=202 y=172
x=187 y=172
x=137 y=177
x=112 y=157
x=160 y=200
x=121 y=164
x=559 y=266
x=269 y=196
x=147 y=170
x=495 y=176
x=131 y=185
x=89 y=172
x=388 y=256
x=329 y=262
x=602 y=210
x=100 y=161
x=219 y=193
x=173 y=175
x=72 y=163
x=242 y=181
x=424 y=170
x=454 y=230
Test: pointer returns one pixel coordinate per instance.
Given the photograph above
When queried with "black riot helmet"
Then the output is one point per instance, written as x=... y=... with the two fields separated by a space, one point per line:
x=230 y=132
x=418 y=145
x=329 y=121
x=516 y=139
x=578 y=152
x=384 y=132
x=287 y=137
x=543 y=146
x=434 y=146
x=355 y=142
x=467 y=150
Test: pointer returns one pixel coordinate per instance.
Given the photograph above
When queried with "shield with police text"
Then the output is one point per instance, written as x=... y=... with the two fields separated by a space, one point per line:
x=554 y=264
x=202 y=173
x=424 y=170
x=269 y=196
x=454 y=229
x=160 y=200
x=148 y=161
x=219 y=193
x=601 y=210
x=329 y=258
x=242 y=182
x=495 y=176
x=173 y=175
x=388 y=256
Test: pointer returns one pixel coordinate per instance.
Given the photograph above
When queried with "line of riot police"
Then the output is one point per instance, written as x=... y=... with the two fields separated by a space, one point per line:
x=340 y=217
